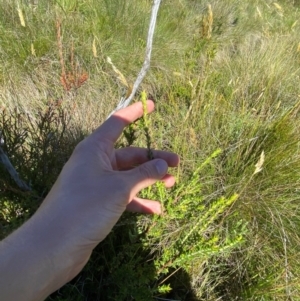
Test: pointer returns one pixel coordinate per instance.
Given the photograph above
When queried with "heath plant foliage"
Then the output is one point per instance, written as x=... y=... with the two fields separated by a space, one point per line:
x=225 y=79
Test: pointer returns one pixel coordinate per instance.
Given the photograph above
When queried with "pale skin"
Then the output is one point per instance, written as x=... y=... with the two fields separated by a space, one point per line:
x=95 y=187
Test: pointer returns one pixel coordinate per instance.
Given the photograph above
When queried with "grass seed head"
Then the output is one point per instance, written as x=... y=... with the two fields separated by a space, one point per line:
x=21 y=17
x=207 y=23
x=259 y=164
x=94 y=48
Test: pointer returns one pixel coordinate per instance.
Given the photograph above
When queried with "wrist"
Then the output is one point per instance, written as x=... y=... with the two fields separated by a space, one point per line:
x=37 y=259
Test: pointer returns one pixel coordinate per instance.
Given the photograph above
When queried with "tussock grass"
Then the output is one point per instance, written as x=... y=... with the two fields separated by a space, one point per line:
x=233 y=87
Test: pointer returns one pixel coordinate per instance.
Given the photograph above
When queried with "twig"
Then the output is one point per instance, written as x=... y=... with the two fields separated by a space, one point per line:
x=125 y=102
x=5 y=161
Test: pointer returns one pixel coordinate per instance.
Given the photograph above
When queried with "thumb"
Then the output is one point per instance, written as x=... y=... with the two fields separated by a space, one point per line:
x=147 y=174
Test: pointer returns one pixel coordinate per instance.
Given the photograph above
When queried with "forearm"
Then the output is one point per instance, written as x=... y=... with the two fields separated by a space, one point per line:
x=36 y=260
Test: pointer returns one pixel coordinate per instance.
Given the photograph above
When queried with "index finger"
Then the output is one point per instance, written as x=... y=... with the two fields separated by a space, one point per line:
x=113 y=127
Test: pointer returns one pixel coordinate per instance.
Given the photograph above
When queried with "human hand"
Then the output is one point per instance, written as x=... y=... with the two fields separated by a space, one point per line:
x=99 y=183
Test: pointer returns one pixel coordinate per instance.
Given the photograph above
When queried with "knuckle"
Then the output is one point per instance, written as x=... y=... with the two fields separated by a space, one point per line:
x=146 y=171
x=80 y=147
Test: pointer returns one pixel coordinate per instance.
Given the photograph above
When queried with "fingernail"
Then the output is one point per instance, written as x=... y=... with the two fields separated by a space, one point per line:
x=161 y=167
